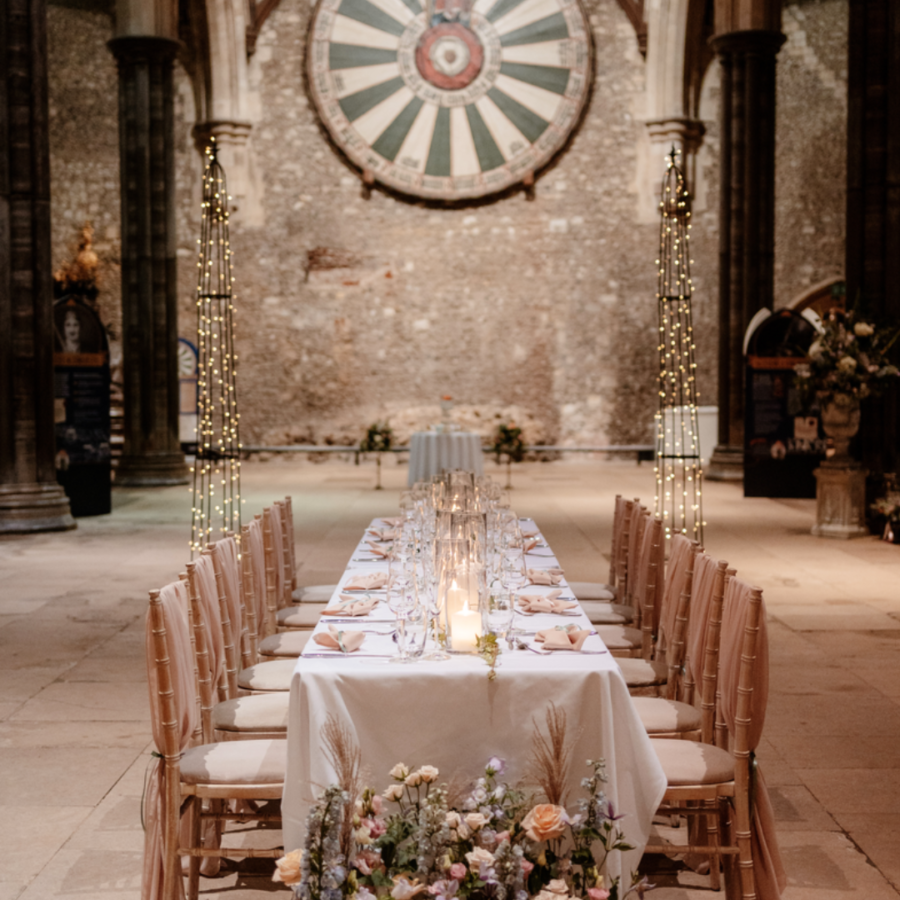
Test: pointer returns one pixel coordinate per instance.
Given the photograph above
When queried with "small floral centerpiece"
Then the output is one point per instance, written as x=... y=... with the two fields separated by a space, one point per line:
x=379 y=439
x=427 y=839
x=849 y=358
x=508 y=442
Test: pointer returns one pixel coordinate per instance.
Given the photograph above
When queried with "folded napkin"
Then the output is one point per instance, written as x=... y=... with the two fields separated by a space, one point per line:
x=393 y=521
x=384 y=534
x=530 y=533
x=366 y=582
x=569 y=638
x=536 y=603
x=346 y=641
x=528 y=544
x=383 y=552
x=348 y=606
x=544 y=576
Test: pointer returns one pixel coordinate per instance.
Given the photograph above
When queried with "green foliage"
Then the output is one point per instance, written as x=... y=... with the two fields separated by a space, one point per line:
x=379 y=438
x=508 y=441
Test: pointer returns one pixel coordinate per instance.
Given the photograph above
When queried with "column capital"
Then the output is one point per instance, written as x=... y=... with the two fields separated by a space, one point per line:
x=756 y=42
x=686 y=133
x=143 y=48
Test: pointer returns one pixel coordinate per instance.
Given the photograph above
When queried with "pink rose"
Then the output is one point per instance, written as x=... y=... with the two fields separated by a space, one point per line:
x=458 y=871
x=598 y=893
x=375 y=827
x=502 y=836
x=377 y=804
x=526 y=867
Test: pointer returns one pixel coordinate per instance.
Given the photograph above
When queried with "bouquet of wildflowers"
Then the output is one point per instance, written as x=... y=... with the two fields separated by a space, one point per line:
x=849 y=357
x=421 y=839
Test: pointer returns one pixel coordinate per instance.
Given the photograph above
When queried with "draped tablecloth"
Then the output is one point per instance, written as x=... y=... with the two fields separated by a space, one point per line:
x=448 y=714
x=432 y=451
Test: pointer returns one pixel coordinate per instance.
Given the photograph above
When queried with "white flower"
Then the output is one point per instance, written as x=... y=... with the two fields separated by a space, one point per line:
x=475 y=821
x=414 y=779
x=404 y=889
x=815 y=350
x=847 y=364
x=478 y=856
x=428 y=774
x=863 y=329
x=394 y=792
x=400 y=771
x=362 y=836
x=453 y=819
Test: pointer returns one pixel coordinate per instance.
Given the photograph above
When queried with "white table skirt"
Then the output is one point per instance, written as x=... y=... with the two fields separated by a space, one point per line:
x=432 y=451
x=449 y=715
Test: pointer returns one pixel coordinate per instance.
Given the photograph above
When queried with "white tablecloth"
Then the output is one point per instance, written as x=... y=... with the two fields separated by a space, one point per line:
x=432 y=451
x=449 y=715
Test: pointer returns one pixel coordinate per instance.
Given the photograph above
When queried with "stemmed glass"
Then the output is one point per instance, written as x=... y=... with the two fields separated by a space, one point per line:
x=400 y=593
x=512 y=577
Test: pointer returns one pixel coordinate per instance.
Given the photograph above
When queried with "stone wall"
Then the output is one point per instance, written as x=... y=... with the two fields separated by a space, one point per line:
x=353 y=309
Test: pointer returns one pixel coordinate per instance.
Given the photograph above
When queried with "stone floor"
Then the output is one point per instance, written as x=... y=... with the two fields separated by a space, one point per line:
x=74 y=729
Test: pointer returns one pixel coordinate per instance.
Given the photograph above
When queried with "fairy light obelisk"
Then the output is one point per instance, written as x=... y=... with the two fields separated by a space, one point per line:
x=678 y=471
x=216 y=510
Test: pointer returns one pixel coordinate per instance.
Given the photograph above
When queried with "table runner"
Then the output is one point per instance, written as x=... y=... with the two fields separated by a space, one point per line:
x=448 y=714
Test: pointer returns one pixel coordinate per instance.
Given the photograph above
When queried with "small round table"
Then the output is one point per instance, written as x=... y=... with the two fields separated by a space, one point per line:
x=432 y=451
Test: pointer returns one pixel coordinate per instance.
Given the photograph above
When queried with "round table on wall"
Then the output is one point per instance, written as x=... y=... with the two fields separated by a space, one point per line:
x=430 y=452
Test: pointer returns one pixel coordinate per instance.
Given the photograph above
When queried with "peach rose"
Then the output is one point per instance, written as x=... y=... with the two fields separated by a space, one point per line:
x=428 y=774
x=288 y=868
x=545 y=822
x=475 y=821
x=393 y=792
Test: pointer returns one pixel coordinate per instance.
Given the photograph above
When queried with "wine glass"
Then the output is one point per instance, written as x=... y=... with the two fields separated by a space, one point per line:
x=400 y=594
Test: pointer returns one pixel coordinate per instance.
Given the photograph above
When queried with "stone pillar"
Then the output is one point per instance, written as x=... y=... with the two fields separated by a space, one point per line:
x=152 y=454
x=686 y=135
x=746 y=221
x=873 y=202
x=30 y=497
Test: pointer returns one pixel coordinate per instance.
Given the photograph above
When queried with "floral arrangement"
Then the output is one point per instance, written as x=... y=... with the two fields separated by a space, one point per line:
x=849 y=358
x=379 y=438
x=492 y=841
x=508 y=441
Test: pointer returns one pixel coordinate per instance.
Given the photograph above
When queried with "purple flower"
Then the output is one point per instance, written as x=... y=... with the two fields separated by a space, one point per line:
x=496 y=766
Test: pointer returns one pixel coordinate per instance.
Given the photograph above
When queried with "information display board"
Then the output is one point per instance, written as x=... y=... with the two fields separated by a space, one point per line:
x=783 y=444
x=81 y=407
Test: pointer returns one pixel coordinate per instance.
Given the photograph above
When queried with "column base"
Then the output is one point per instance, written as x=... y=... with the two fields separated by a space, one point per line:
x=156 y=470
x=34 y=507
x=840 y=502
x=725 y=464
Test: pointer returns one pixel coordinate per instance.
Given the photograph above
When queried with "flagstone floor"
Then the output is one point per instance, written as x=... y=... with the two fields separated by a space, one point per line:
x=74 y=727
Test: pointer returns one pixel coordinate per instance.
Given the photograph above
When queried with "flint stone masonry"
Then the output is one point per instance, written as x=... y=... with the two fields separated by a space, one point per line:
x=351 y=310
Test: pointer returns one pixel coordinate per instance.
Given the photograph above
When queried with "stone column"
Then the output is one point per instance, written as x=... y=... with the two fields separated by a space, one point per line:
x=152 y=454
x=873 y=202
x=746 y=222
x=30 y=497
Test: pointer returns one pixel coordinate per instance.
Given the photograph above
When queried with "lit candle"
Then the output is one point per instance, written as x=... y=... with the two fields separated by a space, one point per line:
x=465 y=627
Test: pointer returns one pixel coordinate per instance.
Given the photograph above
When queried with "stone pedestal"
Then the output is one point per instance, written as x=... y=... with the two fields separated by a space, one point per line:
x=30 y=497
x=152 y=452
x=840 y=501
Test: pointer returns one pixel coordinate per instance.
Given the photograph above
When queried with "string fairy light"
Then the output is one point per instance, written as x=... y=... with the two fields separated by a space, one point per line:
x=216 y=507
x=679 y=475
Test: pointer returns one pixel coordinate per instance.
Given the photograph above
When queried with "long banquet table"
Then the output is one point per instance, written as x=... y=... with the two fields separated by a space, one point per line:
x=448 y=714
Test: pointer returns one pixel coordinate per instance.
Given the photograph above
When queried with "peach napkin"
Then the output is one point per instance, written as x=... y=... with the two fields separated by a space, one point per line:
x=384 y=534
x=529 y=544
x=347 y=641
x=366 y=582
x=549 y=603
x=569 y=638
x=530 y=533
x=544 y=576
x=383 y=552
x=350 y=607
x=392 y=521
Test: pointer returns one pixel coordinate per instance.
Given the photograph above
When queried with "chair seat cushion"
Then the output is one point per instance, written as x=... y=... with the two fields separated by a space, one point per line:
x=593 y=590
x=661 y=716
x=620 y=637
x=288 y=643
x=260 y=712
x=641 y=673
x=313 y=593
x=601 y=613
x=300 y=615
x=235 y=762
x=690 y=762
x=267 y=676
